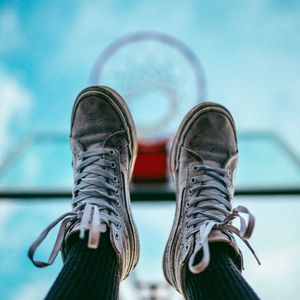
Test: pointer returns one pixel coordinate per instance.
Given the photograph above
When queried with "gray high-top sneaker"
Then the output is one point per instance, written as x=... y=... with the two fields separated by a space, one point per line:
x=203 y=164
x=104 y=145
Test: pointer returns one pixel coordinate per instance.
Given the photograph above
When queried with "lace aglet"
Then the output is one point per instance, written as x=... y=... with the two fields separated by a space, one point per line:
x=253 y=252
x=84 y=225
x=82 y=233
x=95 y=236
x=95 y=230
x=103 y=228
x=257 y=259
x=94 y=239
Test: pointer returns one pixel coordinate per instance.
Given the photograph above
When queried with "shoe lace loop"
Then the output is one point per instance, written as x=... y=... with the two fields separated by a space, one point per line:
x=94 y=196
x=210 y=208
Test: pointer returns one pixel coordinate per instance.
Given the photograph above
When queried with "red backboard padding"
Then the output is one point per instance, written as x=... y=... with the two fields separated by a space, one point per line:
x=151 y=162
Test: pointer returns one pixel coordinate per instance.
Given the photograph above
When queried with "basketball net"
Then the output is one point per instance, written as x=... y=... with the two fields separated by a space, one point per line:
x=161 y=79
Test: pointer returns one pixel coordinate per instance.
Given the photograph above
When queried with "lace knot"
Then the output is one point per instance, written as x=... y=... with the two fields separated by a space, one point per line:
x=210 y=209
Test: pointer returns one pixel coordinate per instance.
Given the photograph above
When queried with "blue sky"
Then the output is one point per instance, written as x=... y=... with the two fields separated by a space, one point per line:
x=249 y=51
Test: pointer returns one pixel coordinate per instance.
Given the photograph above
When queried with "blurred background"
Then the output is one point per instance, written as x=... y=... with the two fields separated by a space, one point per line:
x=248 y=55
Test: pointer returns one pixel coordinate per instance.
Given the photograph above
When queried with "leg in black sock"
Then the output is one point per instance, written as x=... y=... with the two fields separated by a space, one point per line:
x=221 y=279
x=88 y=273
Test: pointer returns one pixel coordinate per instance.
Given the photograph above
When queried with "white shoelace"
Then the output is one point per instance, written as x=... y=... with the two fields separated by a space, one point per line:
x=210 y=208
x=95 y=196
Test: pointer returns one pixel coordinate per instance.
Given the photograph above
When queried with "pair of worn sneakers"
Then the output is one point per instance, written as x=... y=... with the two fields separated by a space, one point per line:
x=203 y=163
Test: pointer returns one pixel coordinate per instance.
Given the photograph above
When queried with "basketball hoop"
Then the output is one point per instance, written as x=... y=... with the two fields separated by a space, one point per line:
x=161 y=79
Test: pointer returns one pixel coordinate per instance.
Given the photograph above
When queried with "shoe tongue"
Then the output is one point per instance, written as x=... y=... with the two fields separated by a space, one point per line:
x=82 y=145
x=212 y=163
x=211 y=159
x=96 y=146
x=89 y=141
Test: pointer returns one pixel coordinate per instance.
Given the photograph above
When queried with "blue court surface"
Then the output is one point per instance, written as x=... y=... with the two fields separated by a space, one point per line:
x=249 y=55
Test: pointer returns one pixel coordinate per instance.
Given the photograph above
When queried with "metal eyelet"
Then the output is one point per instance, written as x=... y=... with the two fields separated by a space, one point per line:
x=117 y=236
x=113 y=164
x=118 y=226
x=188 y=204
x=190 y=192
x=115 y=179
x=118 y=203
x=195 y=168
x=188 y=215
x=112 y=152
x=117 y=192
x=193 y=180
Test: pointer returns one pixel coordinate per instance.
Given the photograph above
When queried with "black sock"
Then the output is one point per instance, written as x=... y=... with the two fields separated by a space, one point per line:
x=88 y=273
x=221 y=280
